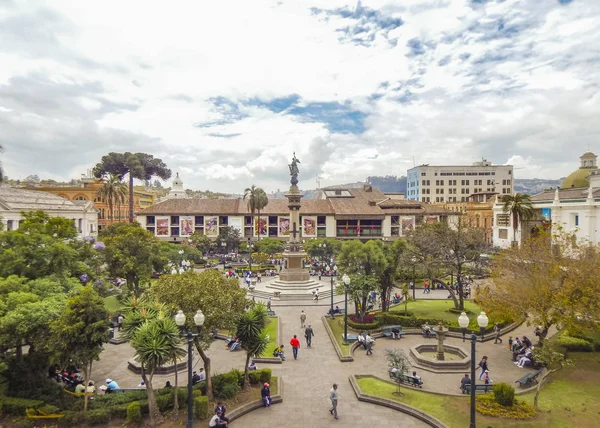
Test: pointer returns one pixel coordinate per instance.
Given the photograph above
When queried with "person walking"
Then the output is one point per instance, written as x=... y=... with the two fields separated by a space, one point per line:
x=316 y=295
x=497 y=333
x=333 y=396
x=295 y=346
x=484 y=366
x=369 y=343
x=302 y=319
x=308 y=334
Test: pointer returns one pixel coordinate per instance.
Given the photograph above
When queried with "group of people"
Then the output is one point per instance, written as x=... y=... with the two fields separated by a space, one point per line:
x=366 y=341
x=233 y=344
x=522 y=351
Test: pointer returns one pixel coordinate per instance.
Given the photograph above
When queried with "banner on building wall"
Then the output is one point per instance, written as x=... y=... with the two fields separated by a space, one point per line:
x=162 y=226
x=546 y=213
x=211 y=226
x=431 y=219
x=284 y=226
x=236 y=223
x=309 y=226
x=186 y=226
x=408 y=224
x=261 y=225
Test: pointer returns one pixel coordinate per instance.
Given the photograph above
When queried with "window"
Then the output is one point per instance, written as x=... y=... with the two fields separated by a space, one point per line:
x=490 y=182
x=576 y=220
x=175 y=220
x=439 y=182
x=423 y=174
x=503 y=233
x=506 y=191
x=452 y=182
x=424 y=182
x=503 y=219
x=150 y=220
x=439 y=191
x=199 y=220
x=464 y=182
x=9 y=225
x=81 y=198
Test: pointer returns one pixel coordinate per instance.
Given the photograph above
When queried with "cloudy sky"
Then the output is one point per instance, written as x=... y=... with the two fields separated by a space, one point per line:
x=225 y=91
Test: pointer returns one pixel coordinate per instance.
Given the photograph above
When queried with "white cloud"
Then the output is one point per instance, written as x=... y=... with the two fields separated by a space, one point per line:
x=192 y=84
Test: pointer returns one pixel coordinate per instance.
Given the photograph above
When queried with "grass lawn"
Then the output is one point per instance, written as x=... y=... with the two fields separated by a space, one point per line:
x=438 y=309
x=112 y=304
x=569 y=399
x=337 y=327
x=271 y=329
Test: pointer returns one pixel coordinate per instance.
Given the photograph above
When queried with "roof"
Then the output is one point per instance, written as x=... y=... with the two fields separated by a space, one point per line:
x=577 y=178
x=565 y=194
x=359 y=203
x=15 y=199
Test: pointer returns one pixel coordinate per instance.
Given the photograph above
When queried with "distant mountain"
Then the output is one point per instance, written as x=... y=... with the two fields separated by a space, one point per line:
x=532 y=186
x=389 y=183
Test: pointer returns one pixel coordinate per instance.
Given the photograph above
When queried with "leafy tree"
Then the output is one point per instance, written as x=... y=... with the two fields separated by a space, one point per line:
x=553 y=281
x=79 y=332
x=256 y=200
x=202 y=242
x=269 y=246
x=519 y=207
x=113 y=190
x=137 y=165
x=397 y=360
x=439 y=247
x=250 y=331
x=230 y=236
x=553 y=361
x=323 y=248
x=130 y=252
x=221 y=300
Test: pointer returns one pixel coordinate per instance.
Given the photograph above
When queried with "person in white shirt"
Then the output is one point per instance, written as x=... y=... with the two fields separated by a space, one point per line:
x=333 y=396
x=217 y=422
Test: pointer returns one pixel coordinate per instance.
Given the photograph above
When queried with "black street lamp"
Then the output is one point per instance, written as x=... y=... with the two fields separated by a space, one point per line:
x=346 y=281
x=331 y=310
x=189 y=336
x=463 y=322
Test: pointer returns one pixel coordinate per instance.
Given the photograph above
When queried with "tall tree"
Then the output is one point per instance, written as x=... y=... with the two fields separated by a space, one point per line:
x=519 y=207
x=256 y=200
x=552 y=280
x=228 y=239
x=113 y=190
x=221 y=300
x=553 y=360
x=130 y=252
x=137 y=165
x=79 y=332
x=250 y=331
x=269 y=246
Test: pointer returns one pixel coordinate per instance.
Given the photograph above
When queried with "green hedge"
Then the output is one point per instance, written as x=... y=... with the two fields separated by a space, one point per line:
x=254 y=377
x=575 y=344
x=120 y=398
x=165 y=402
x=363 y=326
x=201 y=407
x=97 y=416
x=134 y=413
x=265 y=375
x=504 y=394
x=17 y=406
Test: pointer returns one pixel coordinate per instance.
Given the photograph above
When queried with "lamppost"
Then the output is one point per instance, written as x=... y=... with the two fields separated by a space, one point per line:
x=189 y=336
x=414 y=286
x=346 y=281
x=180 y=270
x=250 y=255
x=463 y=322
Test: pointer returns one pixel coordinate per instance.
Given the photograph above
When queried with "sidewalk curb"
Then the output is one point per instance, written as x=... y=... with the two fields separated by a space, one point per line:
x=338 y=350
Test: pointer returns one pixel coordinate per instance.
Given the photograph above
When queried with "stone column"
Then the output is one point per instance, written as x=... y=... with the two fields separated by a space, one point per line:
x=441 y=331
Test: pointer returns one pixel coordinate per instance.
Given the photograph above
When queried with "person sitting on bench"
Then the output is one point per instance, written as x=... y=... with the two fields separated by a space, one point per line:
x=395 y=333
x=426 y=330
x=336 y=310
x=278 y=352
x=417 y=378
x=465 y=381
x=525 y=358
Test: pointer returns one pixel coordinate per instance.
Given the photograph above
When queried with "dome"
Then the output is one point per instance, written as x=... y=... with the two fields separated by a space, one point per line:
x=577 y=178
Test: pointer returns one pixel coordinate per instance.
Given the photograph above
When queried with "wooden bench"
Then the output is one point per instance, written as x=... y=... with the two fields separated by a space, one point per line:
x=411 y=380
x=529 y=378
x=386 y=330
x=480 y=387
x=114 y=391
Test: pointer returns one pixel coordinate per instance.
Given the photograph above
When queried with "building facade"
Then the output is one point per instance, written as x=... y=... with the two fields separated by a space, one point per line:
x=477 y=212
x=441 y=184
x=88 y=191
x=575 y=210
x=15 y=201
x=365 y=213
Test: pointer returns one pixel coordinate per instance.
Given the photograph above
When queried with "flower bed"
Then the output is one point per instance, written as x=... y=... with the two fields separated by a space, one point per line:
x=486 y=405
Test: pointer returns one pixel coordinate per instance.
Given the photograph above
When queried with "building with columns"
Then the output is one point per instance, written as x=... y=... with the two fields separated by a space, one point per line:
x=575 y=207
x=344 y=213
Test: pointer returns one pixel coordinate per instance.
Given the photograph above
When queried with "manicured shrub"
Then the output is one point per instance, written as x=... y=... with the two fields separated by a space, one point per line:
x=201 y=386
x=201 y=407
x=575 y=344
x=254 y=377
x=120 y=398
x=265 y=375
x=165 y=402
x=228 y=391
x=504 y=394
x=70 y=419
x=18 y=406
x=134 y=413
x=97 y=416
x=49 y=409
x=119 y=411
x=362 y=326
x=182 y=396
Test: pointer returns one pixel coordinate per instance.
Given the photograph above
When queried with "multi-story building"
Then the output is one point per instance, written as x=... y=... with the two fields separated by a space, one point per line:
x=87 y=190
x=364 y=213
x=440 y=184
x=14 y=202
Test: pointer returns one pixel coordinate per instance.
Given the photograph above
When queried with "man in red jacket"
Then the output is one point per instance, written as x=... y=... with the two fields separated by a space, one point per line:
x=295 y=346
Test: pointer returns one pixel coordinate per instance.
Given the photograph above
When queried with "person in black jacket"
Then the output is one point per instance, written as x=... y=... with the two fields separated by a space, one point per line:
x=266 y=395
x=221 y=409
x=484 y=366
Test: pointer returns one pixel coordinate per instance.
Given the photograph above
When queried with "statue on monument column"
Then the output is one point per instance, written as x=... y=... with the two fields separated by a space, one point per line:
x=294 y=171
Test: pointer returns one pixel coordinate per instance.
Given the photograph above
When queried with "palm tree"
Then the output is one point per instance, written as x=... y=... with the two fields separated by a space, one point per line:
x=256 y=200
x=113 y=190
x=519 y=207
x=250 y=332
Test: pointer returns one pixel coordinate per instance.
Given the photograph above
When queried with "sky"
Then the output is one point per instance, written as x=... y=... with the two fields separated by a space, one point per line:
x=224 y=92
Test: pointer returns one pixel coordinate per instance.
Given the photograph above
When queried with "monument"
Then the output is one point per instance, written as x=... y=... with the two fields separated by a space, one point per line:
x=294 y=253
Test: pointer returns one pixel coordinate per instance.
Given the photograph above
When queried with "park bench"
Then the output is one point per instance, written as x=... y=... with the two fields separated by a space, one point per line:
x=529 y=378
x=386 y=330
x=341 y=312
x=411 y=380
x=480 y=387
x=351 y=337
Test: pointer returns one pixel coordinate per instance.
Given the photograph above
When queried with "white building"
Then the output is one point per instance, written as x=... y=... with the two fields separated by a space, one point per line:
x=439 y=184
x=575 y=208
x=13 y=202
x=177 y=191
